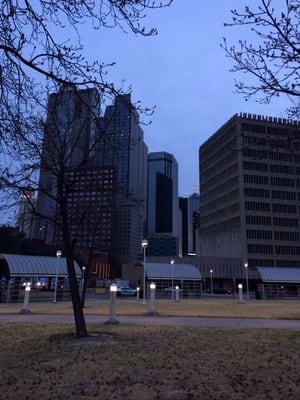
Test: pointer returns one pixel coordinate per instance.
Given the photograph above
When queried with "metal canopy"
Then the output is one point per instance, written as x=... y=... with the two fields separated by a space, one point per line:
x=271 y=274
x=167 y=271
x=20 y=265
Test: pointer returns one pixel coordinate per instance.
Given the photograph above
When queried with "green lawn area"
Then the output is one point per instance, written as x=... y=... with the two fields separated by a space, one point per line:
x=198 y=307
x=134 y=362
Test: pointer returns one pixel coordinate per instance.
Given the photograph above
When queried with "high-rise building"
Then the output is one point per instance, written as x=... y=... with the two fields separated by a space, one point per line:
x=105 y=162
x=69 y=137
x=249 y=191
x=183 y=206
x=125 y=150
x=163 y=205
x=193 y=221
x=26 y=218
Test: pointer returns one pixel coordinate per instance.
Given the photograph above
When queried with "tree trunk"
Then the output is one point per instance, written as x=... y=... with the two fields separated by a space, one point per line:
x=81 y=330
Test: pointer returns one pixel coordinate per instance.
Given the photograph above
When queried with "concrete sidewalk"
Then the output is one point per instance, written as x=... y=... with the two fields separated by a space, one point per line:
x=235 y=323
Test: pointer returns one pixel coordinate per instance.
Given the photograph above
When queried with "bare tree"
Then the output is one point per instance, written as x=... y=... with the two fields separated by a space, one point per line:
x=272 y=62
x=33 y=62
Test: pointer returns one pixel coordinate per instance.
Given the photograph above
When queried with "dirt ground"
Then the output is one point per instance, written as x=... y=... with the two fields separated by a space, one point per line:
x=198 y=307
x=138 y=362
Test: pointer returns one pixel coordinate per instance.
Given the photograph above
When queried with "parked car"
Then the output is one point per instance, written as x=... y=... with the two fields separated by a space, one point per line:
x=126 y=291
x=219 y=291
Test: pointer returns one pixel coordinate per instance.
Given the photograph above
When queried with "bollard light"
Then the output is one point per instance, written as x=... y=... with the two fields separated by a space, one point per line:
x=112 y=320
x=25 y=308
x=137 y=293
x=177 y=293
x=240 y=286
x=152 y=298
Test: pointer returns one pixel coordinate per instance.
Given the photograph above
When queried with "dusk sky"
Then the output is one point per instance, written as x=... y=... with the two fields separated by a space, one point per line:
x=184 y=72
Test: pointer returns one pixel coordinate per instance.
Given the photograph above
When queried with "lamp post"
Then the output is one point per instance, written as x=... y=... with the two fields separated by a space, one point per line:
x=58 y=255
x=82 y=279
x=172 y=263
x=247 y=280
x=144 y=246
x=112 y=320
x=211 y=281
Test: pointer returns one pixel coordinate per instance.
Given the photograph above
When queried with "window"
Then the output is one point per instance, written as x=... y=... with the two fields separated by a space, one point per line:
x=284 y=208
x=255 y=166
x=287 y=250
x=256 y=179
x=258 y=220
x=253 y=192
x=259 y=234
x=283 y=195
x=260 y=248
x=288 y=236
x=281 y=169
x=256 y=206
x=277 y=181
x=290 y=222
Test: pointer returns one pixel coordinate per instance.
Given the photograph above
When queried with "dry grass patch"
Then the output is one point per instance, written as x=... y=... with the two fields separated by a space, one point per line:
x=133 y=362
x=198 y=307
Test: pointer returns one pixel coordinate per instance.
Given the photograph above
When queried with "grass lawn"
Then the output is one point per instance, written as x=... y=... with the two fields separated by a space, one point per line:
x=133 y=362
x=199 y=307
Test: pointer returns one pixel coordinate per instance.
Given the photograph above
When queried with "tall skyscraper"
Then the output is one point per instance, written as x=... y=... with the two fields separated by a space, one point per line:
x=249 y=191
x=163 y=202
x=193 y=221
x=105 y=161
x=69 y=136
x=183 y=205
x=124 y=148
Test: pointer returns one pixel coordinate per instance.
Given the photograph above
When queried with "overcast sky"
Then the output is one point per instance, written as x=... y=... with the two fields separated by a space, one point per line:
x=184 y=72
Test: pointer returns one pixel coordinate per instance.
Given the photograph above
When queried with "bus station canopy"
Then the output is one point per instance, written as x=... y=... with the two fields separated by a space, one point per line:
x=169 y=271
x=276 y=274
x=15 y=265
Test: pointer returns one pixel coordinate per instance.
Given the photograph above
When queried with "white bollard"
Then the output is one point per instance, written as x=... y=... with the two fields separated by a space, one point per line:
x=25 y=308
x=240 y=286
x=138 y=293
x=177 y=293
x=152 y=298
x=112 y=320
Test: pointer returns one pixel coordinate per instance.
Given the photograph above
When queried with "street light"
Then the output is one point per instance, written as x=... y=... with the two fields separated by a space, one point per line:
x=82 y=279
x=144 y=246
x=211 y=281
x=172 y=295
x=247 y=280
x=58 y=255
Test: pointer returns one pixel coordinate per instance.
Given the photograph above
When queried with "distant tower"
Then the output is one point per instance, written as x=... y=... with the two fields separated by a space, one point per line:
x=25 y=218
x=163 y=207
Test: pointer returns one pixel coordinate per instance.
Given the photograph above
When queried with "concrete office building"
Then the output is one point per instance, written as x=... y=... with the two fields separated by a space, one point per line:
x=249 y=192
x=163 y=203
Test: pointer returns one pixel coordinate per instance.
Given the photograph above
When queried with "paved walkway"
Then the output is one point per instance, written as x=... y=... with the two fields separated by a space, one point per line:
x=146 y=320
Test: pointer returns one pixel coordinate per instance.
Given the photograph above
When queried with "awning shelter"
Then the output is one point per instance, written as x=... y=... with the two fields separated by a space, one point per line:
x=169 y=271
x=284 y=275
x=15 y=265
x=278 y=282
